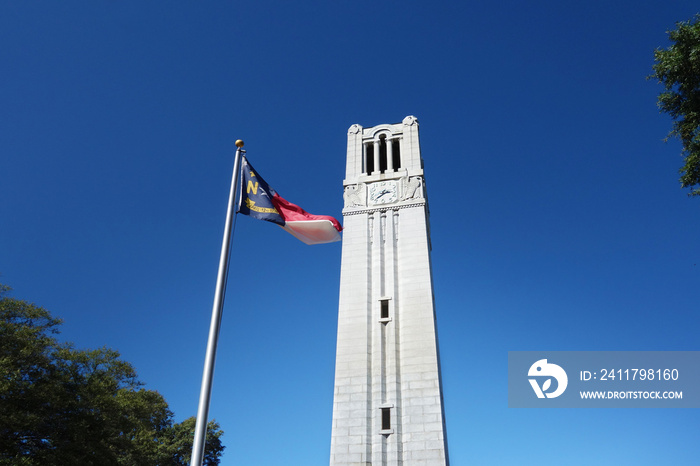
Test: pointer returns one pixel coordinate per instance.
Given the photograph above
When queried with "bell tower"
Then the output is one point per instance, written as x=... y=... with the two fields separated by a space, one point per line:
x=387 y=407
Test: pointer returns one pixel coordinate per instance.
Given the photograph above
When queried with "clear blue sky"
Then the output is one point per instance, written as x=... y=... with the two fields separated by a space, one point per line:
x=557 y=218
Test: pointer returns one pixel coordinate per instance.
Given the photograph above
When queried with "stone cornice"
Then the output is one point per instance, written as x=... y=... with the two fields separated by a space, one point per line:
x=419 y=203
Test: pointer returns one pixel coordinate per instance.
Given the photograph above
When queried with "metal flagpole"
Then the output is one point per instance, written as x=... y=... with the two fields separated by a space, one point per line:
x=200 y=430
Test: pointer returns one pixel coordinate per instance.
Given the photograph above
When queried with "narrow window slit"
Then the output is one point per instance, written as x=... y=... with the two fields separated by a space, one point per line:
x=386 y=418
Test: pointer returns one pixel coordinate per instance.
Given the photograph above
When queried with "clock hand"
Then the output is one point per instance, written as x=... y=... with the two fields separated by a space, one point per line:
x=383 y=192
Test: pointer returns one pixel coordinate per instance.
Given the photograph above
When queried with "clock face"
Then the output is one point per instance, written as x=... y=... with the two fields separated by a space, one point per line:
x=383 y=193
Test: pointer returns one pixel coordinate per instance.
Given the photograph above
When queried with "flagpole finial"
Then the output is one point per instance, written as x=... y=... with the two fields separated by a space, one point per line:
x=239 y=143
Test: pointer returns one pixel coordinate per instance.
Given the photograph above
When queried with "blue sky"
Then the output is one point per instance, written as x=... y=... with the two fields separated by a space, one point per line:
x=557 y=218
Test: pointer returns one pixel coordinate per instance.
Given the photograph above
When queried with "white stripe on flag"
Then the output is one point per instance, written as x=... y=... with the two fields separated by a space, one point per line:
x=313 y=231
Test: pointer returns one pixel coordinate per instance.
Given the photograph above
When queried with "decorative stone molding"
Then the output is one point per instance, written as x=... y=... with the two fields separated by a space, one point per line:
x=355 y=195
x=354 y=129
x=410 y=121
x=421 y=203
x=410 y=188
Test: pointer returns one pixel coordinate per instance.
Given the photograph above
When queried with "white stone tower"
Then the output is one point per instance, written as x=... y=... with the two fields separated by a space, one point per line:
x=387 y=408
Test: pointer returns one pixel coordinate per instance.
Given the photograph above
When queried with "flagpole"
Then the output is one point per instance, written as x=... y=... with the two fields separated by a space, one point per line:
x=200 y=430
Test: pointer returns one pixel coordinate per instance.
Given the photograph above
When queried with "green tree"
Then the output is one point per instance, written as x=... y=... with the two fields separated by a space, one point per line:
x=678 y=69
x=59 y=405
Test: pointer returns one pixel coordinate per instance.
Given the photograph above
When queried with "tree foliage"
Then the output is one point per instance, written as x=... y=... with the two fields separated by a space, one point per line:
x=60 y=405
x=678 y=69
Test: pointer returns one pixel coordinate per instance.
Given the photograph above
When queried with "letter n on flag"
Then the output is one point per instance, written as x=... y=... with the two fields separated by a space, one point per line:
x=260 y=201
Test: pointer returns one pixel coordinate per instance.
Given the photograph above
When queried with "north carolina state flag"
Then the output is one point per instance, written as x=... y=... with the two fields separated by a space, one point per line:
x=260 y=201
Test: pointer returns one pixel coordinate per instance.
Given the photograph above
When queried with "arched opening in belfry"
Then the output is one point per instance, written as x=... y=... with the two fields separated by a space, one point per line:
x=382 y=153
x=396 y=153
x=369 y=159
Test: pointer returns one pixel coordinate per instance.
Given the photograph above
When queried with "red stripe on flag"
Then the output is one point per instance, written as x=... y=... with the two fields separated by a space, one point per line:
x=293 y=213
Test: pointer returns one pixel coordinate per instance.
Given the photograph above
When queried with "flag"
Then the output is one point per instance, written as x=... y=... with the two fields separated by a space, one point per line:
x=260 y=201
